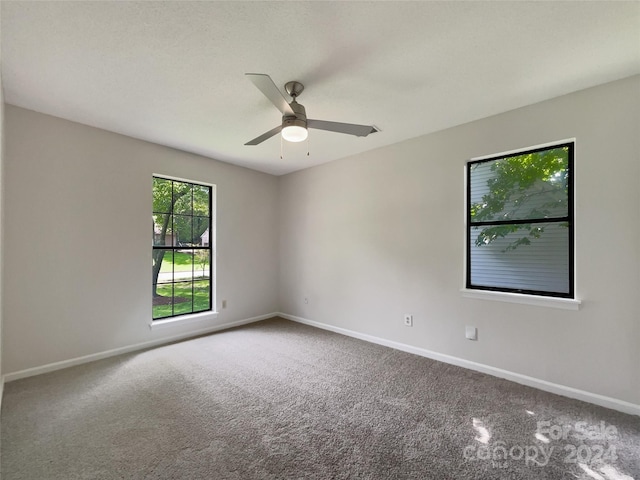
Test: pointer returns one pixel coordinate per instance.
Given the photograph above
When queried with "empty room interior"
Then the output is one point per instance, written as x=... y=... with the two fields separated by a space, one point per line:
x=389 y=240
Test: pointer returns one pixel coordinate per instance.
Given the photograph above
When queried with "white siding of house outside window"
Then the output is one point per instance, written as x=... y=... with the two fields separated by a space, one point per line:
x=543 y=265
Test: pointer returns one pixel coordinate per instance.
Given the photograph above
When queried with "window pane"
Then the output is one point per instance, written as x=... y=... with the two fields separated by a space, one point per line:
x=183 y=265
x=163 y=301
x=183 y=198
x=202 y=296
x=521 y=187
x=162 y=223
x=201 y=196
x=201 y=264
x=200 y=230
x=162 y=189
x=183 y=230
x=165 y=273
x=509 y=262
x=182 y=297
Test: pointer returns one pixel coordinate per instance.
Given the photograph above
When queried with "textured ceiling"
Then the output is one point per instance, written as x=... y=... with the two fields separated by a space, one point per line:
x=173 y=72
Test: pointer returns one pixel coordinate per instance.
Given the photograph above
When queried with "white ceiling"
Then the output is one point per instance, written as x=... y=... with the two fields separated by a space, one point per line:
x=173 y=72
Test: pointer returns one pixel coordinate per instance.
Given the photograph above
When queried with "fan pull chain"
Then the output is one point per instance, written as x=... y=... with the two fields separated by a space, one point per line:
x=307 y=145
x=281 y=156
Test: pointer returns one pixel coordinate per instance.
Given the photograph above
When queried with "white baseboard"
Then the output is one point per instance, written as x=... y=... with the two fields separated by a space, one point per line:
x=603 y=401
x=29 y=372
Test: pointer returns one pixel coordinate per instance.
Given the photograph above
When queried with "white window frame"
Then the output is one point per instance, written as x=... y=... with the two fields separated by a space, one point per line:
x=198 y=317
x=513 y=297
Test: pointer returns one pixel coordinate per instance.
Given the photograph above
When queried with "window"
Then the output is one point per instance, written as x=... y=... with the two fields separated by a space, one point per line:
x=520 y=222
x=182 y=248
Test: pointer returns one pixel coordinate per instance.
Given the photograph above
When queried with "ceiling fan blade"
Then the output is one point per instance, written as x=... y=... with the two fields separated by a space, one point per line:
x=348 y=128
x=265 y=136
x=269 y=90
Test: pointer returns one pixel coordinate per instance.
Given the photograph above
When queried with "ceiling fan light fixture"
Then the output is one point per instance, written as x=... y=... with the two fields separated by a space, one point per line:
x=294 y=133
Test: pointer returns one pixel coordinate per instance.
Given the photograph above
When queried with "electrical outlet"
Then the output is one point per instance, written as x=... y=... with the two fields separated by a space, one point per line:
x=408 y=320
x=306 y=300
x=224 y=304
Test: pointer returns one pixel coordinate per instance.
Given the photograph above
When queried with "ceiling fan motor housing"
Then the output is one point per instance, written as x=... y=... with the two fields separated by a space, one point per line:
x=300 y=118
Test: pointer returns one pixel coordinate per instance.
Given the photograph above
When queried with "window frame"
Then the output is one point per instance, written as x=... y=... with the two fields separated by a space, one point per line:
x=515 y=295
x=211 y=311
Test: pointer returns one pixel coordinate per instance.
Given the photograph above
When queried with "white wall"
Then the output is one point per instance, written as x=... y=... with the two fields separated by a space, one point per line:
x=380 y=234
x=78 y=236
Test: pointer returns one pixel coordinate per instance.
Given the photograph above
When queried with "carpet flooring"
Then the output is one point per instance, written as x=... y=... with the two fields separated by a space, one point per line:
x=280 y=400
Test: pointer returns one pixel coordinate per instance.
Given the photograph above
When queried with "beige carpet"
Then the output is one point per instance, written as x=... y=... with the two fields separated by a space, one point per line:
x=276 y=400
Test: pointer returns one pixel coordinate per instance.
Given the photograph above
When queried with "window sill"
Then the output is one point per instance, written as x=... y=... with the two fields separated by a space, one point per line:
x=553 y=302
x=183 y=320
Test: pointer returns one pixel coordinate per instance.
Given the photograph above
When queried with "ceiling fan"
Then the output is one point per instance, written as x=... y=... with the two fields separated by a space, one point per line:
x=294 y=116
